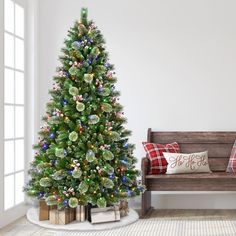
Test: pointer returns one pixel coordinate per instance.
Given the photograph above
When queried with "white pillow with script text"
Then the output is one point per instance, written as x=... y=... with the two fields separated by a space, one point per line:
x=187 y=163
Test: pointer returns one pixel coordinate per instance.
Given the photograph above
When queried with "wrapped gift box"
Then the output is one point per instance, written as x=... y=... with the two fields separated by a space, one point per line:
x=124 y=208
x=102 y=215
x=72 y=214
x=61 y=217
x=81 y=213
x=78 y=213
x=43 y=210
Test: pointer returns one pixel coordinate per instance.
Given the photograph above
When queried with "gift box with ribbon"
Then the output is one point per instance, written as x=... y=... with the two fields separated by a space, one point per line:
x=61 y=217
x=102 y=215
x=43 y=210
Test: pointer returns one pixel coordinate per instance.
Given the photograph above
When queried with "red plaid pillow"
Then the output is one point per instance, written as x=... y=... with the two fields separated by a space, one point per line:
x=158 y=163
x=232 y=160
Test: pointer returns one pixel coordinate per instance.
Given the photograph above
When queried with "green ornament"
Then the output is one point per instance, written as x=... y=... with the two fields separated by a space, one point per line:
x=101 y=202
x=51 y=200
x=114 y=136
x=40 y=167
x=73 y=91
x=58 y=175
x=106 y=107
x=80 y=106
x=109 y=169
x=60 y=152
x=45 y=182
x=95 y=51
x=76 y=173
x=83 y=187
x=32 y=192
x=105 y=92
x=90 y=156
x=107 y=183
x=69 y=143
x=83 y=118
x=73 y=70
x=73 y=136
x=88 y=78
x=107 y=155
x=93 y=119
x=73 y=202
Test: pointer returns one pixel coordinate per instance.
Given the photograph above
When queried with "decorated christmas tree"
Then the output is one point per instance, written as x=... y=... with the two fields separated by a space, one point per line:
x=83 y=154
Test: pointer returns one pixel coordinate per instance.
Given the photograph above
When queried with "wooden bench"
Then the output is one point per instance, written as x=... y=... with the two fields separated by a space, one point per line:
x=218 y=145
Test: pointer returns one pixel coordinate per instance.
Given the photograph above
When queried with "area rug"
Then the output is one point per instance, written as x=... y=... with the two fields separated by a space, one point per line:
x=168 y=228
x=144 y=227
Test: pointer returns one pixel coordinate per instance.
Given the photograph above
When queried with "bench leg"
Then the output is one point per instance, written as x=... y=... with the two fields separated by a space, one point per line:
x=146 y=204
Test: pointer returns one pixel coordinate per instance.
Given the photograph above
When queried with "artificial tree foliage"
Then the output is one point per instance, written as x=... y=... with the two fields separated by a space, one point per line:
x=83 y=154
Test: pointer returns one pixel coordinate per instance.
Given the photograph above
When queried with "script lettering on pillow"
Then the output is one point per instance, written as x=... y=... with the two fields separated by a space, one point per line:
x=187 y=163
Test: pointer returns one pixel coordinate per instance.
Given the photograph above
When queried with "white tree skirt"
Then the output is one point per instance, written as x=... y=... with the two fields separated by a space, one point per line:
x=33 y=217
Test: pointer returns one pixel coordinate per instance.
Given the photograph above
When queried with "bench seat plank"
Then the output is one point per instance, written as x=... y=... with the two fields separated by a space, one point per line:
x=193 y=184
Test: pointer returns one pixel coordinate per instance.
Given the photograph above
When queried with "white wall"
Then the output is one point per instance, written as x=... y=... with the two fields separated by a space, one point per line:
x=175 y=62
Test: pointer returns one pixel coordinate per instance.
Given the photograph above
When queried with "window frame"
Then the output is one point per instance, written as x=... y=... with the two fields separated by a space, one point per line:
x=15 y=105
x=1 y=104
x=9 y=215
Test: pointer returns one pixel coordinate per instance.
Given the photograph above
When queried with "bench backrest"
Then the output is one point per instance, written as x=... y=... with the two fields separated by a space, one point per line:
x=218 y=144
